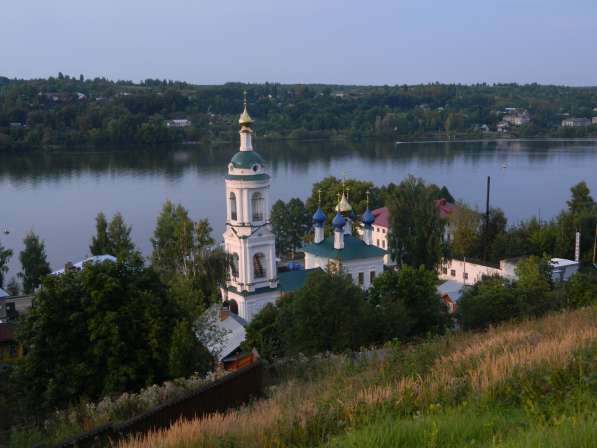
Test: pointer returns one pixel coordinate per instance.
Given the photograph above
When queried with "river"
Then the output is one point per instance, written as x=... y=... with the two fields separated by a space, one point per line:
x=58 y=194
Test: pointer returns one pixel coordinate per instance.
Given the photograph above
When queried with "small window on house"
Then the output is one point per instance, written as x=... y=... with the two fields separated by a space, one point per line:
x=465 y=275
x=361 y=278
x=378 y=244
x=383 y=243
x=445 y=271
x=453 y=272
x=371 y=276
x=383 y=230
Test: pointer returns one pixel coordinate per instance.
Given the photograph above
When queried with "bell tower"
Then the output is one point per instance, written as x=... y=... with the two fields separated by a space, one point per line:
x=248 y=238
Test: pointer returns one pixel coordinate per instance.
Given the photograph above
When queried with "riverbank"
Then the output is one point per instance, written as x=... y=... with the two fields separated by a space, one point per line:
x=267 y=140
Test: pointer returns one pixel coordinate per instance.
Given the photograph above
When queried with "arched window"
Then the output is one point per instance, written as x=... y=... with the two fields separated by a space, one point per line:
x=233 y=215
x=234 y=265
x=233 y=306
x=257 y=206
x=259 y=265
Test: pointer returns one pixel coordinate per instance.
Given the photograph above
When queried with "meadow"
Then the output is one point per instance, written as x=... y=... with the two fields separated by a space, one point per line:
x=530 y=383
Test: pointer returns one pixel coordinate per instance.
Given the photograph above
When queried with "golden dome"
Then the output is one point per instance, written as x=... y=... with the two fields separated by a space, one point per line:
x=245 y=119
x=343 y=206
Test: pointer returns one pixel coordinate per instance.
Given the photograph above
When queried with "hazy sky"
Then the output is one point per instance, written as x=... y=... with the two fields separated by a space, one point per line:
x=328 y=41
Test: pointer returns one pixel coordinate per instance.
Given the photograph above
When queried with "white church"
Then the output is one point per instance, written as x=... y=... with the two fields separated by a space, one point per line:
x=253 y=281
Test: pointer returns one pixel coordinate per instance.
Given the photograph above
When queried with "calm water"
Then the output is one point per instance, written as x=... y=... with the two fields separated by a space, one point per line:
x=58 y=194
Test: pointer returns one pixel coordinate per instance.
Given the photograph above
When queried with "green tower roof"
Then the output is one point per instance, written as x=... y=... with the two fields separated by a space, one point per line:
x=246 y=159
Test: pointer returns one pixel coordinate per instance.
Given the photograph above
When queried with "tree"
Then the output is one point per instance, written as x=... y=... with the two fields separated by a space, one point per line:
x=114 y=238
x=299 y=224
x=119 y=237
x=290 y=224
x=465 y=224
x=263 y=333
x=183 y=248
x=444 y=193
x=580 y=290
x=106 y=329
x=581 y=198
x=34 y=262
x=416 y=228
x=411 y=294
x=488 y=302
x=280 y=227
x=326 y=314
x=186 y=355
x=5 y=256
x=100 y=243
x=533 y=285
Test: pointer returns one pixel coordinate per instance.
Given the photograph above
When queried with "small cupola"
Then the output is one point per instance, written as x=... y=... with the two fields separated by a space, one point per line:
x=318 y=217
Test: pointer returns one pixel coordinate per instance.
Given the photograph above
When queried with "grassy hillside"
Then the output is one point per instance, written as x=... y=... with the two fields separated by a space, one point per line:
x=527 y=384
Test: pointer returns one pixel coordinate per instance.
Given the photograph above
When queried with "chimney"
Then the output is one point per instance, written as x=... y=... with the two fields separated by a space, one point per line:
x=68 y=267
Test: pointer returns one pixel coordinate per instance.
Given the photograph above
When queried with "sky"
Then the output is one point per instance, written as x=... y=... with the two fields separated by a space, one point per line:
x=303 y=41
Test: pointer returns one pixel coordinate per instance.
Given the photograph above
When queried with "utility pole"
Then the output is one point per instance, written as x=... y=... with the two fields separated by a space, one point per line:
x=485 y=248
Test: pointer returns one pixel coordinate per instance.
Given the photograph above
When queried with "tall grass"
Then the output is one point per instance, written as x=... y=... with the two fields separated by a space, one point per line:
x=460 y=374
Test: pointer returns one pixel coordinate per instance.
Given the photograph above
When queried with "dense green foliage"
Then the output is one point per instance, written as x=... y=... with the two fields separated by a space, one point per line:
x=416 y=228
x=186 y=259
x=114 y=239
x=34 y=262
x=330 y=313
x=68 y=110
x=290 y=223
x=407 y=304
x=106 y=329
x=532 y=294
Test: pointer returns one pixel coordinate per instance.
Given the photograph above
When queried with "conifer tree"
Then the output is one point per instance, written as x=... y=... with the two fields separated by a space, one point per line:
x=100 y=243
x=34 y=262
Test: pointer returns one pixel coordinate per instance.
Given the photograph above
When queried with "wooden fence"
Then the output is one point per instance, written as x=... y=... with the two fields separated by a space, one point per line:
x=231 y=391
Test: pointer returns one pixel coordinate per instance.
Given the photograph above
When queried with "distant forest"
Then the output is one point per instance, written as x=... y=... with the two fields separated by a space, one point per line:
x=71 y=111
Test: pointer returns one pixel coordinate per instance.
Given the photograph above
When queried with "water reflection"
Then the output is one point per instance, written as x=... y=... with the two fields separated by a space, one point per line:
x=59 y=193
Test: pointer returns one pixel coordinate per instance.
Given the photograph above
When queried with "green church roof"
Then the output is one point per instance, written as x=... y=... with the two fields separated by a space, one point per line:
x=292 y=280
x=246 y=159
x=354 y=249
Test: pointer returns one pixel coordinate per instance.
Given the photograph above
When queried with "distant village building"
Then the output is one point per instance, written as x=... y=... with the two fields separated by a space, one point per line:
x=594 y=121
x=516 y=117
x=468 y=272
x=502 y=127
x=576 y=122
x=178 y=123
x=562 y=269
